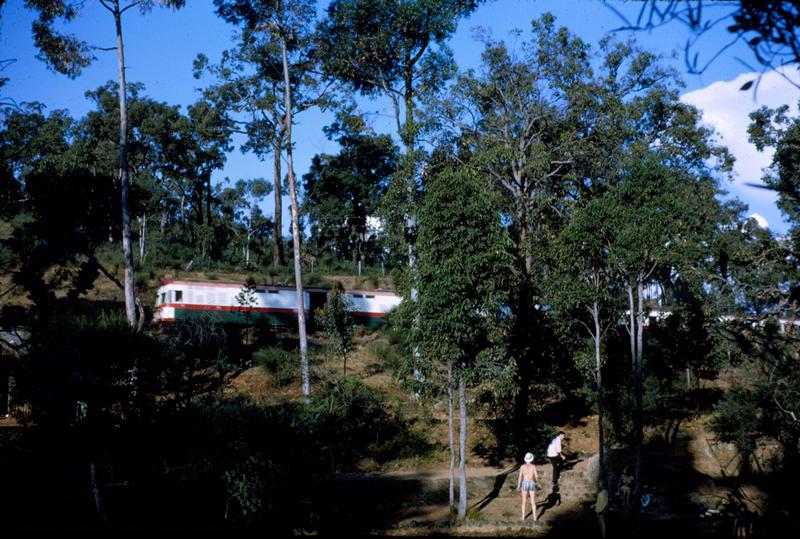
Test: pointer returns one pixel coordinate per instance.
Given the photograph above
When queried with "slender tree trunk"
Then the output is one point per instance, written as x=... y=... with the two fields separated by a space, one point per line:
x=298 y=272
x=408 y=141
x=278 y=258
x=406 y=135
x=361 y=254
x=462 y=449
x=632 y=328
x=247 y=246
x=96 y=494
x=638 y=388
x=130 y=300
x=208 y=197
x=142 y=237
x=599 y=380
x=451 y=438
x=524 y=231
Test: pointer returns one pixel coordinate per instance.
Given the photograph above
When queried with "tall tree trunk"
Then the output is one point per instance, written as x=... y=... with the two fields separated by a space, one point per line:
x=97 y=495
x=247 y=246
x=451 y=438
x=638 y=389
x=360 y=251
x=406 y=135
x=142 y=237
x=462 y=448
x=208 y=197
x=411 y=187
x=598 y=365
x=524 y=232
x=278 y=258
x=298 y=272
x=127 y=252
x=632 y=328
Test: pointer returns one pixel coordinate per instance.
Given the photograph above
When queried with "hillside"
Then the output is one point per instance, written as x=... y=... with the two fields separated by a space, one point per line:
x=692 y=479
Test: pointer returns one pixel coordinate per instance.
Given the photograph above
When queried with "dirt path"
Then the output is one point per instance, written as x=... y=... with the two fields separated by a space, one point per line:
x=416 y=502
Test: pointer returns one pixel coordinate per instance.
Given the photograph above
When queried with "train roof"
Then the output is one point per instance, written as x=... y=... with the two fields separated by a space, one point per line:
x=235 y=284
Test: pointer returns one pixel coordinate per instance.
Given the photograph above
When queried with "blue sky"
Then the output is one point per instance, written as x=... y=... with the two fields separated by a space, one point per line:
x=161 y=45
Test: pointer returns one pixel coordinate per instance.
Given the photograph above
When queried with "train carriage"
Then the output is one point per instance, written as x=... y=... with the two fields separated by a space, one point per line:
x=275 y=305
x=183 y=300
x=371 y=306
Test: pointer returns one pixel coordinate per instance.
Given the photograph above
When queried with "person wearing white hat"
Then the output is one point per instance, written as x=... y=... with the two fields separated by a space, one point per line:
x=526 y=483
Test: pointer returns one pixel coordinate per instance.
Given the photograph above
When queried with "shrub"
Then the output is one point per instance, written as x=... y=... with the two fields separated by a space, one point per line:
x=355 y=421
x=391 y=358
x=280 y=363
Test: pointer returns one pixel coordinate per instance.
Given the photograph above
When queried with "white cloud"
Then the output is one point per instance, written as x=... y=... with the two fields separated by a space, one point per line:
x=762 y=222
x=726 y=108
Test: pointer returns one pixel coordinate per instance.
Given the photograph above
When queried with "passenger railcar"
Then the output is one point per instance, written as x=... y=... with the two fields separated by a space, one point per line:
x=182 y=300
x=275 y=305
x=371 y=306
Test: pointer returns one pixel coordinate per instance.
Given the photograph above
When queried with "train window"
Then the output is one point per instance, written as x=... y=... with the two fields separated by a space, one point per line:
x=357 y=296
x=274 y=291
x=178 y=296
x=370 y=297
x=163 y=297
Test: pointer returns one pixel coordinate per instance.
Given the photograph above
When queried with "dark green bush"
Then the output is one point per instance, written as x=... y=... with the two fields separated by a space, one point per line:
x=389 y=355
x=280 y=363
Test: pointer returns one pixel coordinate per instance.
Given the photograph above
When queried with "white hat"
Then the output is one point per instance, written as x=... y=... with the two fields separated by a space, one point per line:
x=528 y=457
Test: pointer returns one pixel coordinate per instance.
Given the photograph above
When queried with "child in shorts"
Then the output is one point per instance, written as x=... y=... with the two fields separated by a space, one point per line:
x=526 y=483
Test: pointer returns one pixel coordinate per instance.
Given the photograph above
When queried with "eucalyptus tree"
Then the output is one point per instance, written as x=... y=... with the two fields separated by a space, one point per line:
x=171 y=156
x=582 y=285
x=343 y=191
x=464 y=271
x=63 y=216
x=549 y=131
x=511 y=115
x=336 y=317
x=287 y=24
x=240 y=205
x=248 y=85
x=396 y=49
x=778 y=296
x=67 y=54
x=776 y=128
x=664 y=215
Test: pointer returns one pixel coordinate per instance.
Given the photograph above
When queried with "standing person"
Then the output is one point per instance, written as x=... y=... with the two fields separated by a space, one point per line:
x=600 y=507
x=526 y=482
x=555 y=455
x=626 y=487
x=742 y=524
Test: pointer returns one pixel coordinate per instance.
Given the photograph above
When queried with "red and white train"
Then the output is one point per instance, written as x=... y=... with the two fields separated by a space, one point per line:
x=275 y=305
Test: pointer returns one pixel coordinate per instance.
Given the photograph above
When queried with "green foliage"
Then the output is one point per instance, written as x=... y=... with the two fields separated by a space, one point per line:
x=463 y=271
x=316 y=279
x=354 y=421
x=246 y=299
x=737 y=420
x=73 y=358
x=65 y=53
x=388 y=40
x=343 y=192
x=336 y=319
x=391 y=356
x=282 y=364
